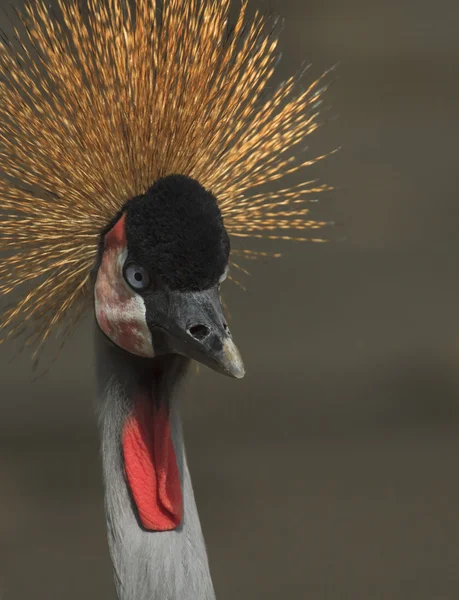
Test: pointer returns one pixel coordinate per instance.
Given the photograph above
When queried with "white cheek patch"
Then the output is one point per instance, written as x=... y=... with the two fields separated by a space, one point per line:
x=120 y=312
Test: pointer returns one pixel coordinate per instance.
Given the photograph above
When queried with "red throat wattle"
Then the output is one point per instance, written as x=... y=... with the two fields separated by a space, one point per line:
x=151 y=466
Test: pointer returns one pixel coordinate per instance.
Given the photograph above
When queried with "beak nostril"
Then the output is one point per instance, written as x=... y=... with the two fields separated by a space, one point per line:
x=199 y=332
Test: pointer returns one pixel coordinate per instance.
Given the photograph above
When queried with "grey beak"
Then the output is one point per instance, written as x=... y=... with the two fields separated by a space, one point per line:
x=193 y=324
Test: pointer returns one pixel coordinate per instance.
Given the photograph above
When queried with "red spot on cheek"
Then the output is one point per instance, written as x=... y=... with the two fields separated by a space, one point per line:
x=104 y=322
x=116 y=237
x=121 y=332
x=128 y=334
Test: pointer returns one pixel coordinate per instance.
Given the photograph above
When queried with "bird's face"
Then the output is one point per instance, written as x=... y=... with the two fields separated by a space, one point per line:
x=157 y=289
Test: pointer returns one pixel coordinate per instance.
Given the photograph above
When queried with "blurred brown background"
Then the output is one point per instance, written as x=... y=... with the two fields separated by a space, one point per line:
x=331 y=470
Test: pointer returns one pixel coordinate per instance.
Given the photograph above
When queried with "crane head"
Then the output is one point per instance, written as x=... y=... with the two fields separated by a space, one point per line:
x=161 y=263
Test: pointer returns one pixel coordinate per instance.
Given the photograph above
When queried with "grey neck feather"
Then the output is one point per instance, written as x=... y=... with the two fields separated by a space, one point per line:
x=147 y=565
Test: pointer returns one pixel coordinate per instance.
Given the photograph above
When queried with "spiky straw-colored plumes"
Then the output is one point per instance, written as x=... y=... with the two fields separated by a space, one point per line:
x=99 y=102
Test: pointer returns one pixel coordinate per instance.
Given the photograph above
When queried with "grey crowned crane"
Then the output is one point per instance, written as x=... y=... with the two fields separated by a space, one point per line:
x=135 y=141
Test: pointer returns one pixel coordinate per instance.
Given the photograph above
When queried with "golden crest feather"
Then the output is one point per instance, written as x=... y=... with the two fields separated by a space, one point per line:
x=98 y=104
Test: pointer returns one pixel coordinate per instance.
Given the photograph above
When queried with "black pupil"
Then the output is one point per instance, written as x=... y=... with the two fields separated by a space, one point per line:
x=138 y=276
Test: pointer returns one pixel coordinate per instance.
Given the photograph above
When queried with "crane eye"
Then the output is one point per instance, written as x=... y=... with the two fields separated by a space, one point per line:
x=137 y=277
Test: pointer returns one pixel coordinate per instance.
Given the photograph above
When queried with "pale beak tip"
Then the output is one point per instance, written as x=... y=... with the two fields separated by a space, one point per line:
x=240 y=374
x=234 y=365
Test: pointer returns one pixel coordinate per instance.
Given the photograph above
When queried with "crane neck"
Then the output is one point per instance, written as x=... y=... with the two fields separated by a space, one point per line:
x=166 y=564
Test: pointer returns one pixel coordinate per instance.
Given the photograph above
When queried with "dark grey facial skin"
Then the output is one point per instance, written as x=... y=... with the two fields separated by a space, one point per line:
x=193 y=324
